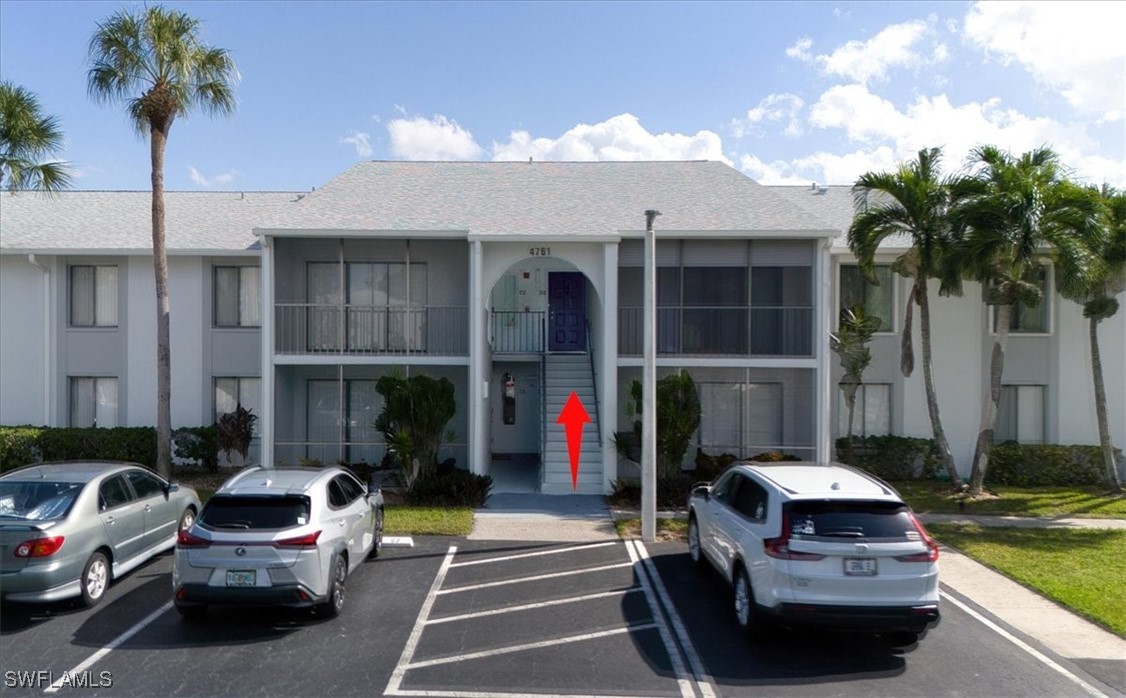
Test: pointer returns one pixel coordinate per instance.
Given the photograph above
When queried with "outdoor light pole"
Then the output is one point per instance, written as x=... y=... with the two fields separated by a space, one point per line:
x=649 y=388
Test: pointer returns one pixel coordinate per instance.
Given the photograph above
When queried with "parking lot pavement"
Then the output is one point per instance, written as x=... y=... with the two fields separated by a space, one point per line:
x=564 y=620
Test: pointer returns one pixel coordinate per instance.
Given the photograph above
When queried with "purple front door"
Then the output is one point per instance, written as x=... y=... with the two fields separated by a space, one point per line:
x=566 y=325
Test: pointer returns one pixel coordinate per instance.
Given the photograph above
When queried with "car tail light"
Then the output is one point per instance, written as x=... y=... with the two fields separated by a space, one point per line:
x=39 y=547
x=188 y=540
x=305 y=541
x=780 y=547
x=931 y=554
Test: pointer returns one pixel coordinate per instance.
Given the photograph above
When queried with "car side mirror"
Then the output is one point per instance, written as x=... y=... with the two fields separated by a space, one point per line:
x=172 y=487
x=702 y=490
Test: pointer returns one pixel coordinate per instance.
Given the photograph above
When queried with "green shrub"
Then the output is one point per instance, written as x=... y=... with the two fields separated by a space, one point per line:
x=19 y=446
x=134 y=444
x=198 y=444
x=672 y=492
x=892 y=457
x=1038 y=465
x=708 y=467
x=449 y=487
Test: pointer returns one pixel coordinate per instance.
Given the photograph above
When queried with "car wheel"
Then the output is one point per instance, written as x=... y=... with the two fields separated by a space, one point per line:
x=748 y=618
x=195 y=612
x=335 y=603
x=377 y=547
x=694 y=550
x=186 y=519
x=95 y=579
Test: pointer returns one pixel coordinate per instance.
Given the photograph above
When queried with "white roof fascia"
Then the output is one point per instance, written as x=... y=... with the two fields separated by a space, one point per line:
x=129 y=252
x=540 y=238
x=815 y=234
x=453 y=233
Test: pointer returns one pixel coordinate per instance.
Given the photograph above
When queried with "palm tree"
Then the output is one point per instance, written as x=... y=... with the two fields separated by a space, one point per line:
x=1006 y=218
x=911 y=201
x=26 y=136
x=1096 y=292
x=850 y=343
x=153 y=60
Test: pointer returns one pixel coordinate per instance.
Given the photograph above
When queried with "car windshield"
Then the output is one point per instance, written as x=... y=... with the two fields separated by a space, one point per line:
x=254 y=512
x=37 y=501
x=886 y=520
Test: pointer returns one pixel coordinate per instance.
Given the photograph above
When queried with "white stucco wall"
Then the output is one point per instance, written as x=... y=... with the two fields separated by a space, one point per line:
x=25 y=383
x=188 y=318
x=1072 y=416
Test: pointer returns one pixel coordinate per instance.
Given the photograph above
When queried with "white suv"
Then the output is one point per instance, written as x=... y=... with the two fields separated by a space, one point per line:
x=816 y=544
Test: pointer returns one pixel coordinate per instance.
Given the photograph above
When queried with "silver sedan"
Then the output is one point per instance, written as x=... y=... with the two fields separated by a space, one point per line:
x=68 y=529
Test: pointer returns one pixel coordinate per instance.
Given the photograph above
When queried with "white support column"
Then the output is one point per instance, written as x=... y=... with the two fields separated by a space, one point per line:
x=823 y=268
x=477 y=398
x=608 y=381
x=649 y=388
x=269 y=414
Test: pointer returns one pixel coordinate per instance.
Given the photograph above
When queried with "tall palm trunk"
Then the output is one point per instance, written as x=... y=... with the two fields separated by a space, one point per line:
x=919 y=295
x=991 y=399
x=158 y=140
x=1100 y=408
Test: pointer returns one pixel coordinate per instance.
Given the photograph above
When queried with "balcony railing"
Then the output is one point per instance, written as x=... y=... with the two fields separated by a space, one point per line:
x=720 y=331
x=517 y=331
x=314 y=328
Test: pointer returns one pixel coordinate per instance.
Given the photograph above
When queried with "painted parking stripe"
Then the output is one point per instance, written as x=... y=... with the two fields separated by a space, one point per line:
x=533 y=646
x=704 y=681
x=666 y=637
x=1036 y=654
x=531 y=606
x=416 y=632
x=114 y=644
x=533 y=578
x=537 y=553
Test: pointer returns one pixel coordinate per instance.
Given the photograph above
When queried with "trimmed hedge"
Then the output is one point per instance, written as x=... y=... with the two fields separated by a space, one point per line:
x=672 y=492
x=1042 y=465
x=449 y=487
x=24 y=445
x=19 y=446
x=892 y=457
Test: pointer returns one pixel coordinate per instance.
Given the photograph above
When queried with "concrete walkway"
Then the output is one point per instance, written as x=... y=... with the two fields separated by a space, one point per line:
x=530 y=517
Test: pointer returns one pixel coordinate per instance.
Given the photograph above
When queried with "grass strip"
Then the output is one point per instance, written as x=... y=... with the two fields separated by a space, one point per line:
x=1081 y=569
x=401 y=520
x=667 y=529
x=929 y=497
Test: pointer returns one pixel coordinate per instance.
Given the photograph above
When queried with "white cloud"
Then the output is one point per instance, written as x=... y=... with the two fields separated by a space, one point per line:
x=881 y=134
x=618 y=138
x=217 y=180
x=896 y=46
x=800 y=50
x=1076 y=48
x=361 y=142
x=419 y=138
x=774 y=109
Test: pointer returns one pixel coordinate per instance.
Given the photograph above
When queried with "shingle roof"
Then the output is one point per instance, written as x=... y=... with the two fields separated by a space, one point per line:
x=546 y=198
x=121 y=221
x=835 y=203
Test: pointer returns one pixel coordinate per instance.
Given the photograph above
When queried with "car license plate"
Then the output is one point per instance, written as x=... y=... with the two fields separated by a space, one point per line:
x=860 y=566
x=241 y=578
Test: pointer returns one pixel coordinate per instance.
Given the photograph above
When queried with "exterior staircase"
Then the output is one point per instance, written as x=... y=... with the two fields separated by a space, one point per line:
x=564 y=373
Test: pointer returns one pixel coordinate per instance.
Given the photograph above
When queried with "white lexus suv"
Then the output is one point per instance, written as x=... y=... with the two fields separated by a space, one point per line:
x=816 y=544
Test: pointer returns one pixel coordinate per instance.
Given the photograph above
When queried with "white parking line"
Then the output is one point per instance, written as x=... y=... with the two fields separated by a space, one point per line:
x=532 y=646
x=530 y=606
x=655 y=609
x=533 y=578
x=1039 y=656
x=416 y=632
x=537 y=553
x=703 y=679
x=114 y=644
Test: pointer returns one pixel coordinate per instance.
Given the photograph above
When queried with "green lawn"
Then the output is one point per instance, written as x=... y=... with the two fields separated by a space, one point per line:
x=928 y=497
x=400 y=520
x=667 y=529
x=1082 y=569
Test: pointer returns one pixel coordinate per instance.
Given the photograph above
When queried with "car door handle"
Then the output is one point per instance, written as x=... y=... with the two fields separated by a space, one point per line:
x=148 y=507
x=342 y=522
x=110 y=520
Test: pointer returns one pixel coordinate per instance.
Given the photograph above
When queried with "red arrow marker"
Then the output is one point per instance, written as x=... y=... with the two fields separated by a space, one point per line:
x=573 y=417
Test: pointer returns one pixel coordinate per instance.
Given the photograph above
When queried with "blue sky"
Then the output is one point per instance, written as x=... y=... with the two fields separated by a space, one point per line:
x=785 y=92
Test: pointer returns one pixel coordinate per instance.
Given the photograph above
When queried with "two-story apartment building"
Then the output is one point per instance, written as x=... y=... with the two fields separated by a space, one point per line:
x=520 y=283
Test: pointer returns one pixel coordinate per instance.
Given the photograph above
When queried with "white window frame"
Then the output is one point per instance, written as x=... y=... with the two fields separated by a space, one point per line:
x=1047 y=302
x=1019 y=388
x=242 y=387
x=99 y=385
x=243 y=304
x=107 y=306
x=894 y=282
x=860 y=420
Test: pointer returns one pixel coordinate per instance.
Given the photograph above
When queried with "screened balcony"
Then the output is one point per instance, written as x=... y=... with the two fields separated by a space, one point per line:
x=720 y=331
x=366 y=330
